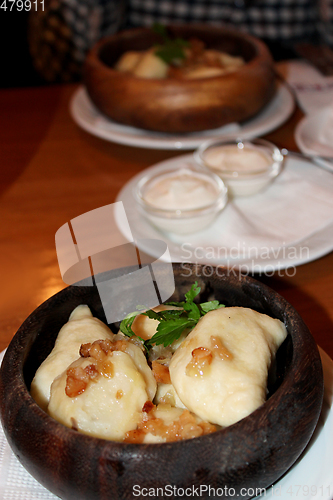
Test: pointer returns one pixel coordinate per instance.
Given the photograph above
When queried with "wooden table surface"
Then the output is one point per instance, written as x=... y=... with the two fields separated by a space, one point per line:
x=52 y=171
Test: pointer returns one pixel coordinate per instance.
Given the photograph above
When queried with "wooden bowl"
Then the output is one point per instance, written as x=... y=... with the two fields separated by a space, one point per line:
x=253 y=453
x=174 y=105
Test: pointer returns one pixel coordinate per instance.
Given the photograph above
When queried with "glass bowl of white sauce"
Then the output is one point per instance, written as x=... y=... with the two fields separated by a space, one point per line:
x=181 y=200
x=246 y=166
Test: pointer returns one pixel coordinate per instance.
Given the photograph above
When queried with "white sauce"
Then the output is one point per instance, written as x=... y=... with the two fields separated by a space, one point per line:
x=245 y=169
x=184 y=190
x=233 y=158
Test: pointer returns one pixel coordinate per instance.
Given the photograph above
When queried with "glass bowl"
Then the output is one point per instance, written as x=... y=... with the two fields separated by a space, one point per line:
x=181 y=200
x=246 y=166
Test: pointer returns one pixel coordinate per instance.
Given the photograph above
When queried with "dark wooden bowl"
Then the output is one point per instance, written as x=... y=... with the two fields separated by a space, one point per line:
x=253 y=453
x=174 y=105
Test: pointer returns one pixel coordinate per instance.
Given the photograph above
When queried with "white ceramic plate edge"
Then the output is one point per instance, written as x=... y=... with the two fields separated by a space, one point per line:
x=90 y=119
x=311 y=477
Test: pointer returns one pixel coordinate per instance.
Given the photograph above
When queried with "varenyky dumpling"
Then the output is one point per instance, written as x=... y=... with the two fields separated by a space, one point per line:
x=112 y=402
x=143 y=64
x=220 y=371
x=81 y=327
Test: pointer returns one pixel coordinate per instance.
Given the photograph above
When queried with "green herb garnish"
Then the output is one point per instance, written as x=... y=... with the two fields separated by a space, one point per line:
x=171 y=50
x=127 y=322
x=172 y=322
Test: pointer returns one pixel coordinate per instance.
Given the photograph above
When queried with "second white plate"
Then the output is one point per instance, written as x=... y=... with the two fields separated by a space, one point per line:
x=87 y=116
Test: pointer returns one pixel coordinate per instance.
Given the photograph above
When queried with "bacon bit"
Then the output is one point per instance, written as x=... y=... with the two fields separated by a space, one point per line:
x=78 y=379
x=96 y=352
x=100 y=348
x=207 y=427
x=155 y=426
x=220 y=349
x=119 y=394
x=105 y=345
x=120 y=345
x=136 y=436
x=76 y=382
x=185 y=427
x=107 y=369
x=148 y=407
x=161 y=373
x=199 y=364
x=92 y=371
x=84 y=350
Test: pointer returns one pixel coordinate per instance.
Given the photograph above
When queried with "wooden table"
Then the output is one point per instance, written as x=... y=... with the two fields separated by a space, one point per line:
x=52 y=171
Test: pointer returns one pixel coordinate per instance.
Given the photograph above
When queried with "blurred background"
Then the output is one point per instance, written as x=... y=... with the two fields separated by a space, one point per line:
x=56 y=39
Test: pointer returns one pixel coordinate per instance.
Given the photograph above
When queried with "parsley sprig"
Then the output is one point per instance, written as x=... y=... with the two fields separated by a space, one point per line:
x=172 y=322
x=171 y=49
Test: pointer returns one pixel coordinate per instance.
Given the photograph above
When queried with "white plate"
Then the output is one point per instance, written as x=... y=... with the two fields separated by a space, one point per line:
x=310 y=478
x=90 y=119
x=307 y=136
x=236 y=239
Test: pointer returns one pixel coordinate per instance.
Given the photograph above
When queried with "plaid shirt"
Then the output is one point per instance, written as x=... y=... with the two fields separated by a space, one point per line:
x=61 y=35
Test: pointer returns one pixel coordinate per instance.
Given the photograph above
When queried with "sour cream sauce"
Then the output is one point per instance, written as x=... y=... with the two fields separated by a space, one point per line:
x=182 y=200
x=245 y=169
x=232 y=158
x=184 y=190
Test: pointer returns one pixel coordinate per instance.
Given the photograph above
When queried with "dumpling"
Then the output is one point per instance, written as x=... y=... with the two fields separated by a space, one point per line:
x=81 y=328
x=142 y=64
x=150 y=66
x=111 y=403
x=220 y=370
x=128 y=61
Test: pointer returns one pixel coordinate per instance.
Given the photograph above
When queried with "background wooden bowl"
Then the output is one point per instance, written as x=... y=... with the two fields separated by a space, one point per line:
x=253 y=453
x=173 y=105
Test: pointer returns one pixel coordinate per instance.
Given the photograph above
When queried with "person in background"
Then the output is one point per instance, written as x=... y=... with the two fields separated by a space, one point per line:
x=61 y=35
